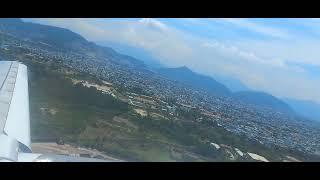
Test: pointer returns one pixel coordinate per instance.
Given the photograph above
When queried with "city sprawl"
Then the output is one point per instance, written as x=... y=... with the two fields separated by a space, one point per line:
x=266 y=126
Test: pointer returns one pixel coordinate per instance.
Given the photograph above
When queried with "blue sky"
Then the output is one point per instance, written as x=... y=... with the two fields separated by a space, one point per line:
x=279 y=56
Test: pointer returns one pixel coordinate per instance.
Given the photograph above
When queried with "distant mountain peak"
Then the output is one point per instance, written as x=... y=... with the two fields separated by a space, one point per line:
x=185 y=75
x=183 y=69
x=263 y=99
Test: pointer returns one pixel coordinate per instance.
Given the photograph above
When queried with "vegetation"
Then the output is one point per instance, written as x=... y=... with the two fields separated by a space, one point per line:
x=50 y=91
x=84 y=116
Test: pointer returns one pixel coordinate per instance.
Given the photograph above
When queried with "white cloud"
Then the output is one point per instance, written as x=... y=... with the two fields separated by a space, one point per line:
x=263 y=29
x=150 y=34
x=298 y=50
x=154 y=23
x=271 y=75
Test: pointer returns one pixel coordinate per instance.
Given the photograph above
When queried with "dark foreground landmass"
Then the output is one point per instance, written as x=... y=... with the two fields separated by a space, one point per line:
x=86 y=117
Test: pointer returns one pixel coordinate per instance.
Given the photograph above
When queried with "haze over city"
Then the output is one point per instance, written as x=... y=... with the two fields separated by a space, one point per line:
x=278 y=56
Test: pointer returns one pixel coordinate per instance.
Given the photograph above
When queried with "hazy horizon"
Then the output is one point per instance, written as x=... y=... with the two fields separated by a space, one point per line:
x=277 y=56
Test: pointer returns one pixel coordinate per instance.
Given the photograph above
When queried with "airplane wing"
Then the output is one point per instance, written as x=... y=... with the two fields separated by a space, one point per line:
x=15 y=143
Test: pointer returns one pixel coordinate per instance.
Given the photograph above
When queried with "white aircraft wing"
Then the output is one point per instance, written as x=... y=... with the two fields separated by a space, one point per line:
x=15 y=143
x=14 y=110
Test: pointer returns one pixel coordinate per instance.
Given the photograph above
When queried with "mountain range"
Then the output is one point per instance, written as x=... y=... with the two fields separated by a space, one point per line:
x=262 y=99
x=186 y=76
x=308 y=109
x=64 y=40
x=59 y=37
x=67 y=40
